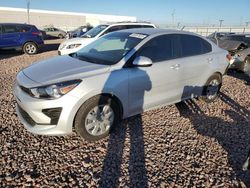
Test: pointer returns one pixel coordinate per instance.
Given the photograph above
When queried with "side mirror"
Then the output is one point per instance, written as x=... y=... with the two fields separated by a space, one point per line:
x=142 y=61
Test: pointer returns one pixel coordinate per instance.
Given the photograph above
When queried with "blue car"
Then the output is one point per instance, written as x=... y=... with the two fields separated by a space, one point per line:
x=20 y=37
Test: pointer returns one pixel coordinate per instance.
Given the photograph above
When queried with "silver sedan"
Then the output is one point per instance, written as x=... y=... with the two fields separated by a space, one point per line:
x=117 y=76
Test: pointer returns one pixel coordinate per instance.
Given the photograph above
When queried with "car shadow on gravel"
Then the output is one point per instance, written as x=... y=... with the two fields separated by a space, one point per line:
x=242 y=76
x=111 y=171
x=233 y=135
x=49 y=47
x=5 y=54
x=133 y=127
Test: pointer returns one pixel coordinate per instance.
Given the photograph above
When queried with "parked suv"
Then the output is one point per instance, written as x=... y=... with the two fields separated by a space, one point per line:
x=73 y=45
x=20 y=37
x=117 y=76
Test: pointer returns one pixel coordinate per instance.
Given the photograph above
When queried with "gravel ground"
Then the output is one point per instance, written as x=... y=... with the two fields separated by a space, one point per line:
x=190 y=144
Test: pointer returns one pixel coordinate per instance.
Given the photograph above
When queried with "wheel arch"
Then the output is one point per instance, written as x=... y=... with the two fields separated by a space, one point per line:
x=25 y=42
x=110 y=95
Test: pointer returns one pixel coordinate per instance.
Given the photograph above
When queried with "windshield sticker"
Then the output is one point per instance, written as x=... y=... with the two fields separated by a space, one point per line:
x=137 y=35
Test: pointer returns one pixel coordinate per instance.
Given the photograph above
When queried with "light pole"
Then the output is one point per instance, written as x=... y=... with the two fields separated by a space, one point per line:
x=28 y=10
x=221 y=22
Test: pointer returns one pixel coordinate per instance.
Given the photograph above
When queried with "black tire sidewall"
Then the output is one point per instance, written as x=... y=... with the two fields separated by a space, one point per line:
x=32 y=43
x=204 y=93
x=84 y=110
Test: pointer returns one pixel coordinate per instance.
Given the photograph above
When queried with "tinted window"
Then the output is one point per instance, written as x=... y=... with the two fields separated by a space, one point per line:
x=23 y=28
x=10 y=29
x=147 y=26
x=206 y=46
x=116 y=28
x=160 y=48
x=133 y=26
x=193 y=45
x=138 y=26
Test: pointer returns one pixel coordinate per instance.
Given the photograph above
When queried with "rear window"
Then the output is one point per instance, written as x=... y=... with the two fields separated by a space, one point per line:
x=193 y=45
x=10 y=29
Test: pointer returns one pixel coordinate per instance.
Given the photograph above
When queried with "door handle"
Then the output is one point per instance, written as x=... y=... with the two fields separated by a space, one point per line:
x=176 y=66
x=209 y=60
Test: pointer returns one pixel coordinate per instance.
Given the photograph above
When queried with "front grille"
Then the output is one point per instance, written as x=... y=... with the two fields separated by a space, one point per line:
x=26 y=116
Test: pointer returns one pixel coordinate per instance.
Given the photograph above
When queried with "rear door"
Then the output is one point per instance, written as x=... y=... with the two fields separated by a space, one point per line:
x=10 y=36
x=195 y=64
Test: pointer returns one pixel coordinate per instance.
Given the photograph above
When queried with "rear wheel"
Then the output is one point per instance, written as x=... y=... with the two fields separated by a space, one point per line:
x=30 y=48
x=96 y=117
x=212 y=88
x=246 y=65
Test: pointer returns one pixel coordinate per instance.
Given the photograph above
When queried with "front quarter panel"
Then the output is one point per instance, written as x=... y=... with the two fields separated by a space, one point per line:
x=114 y=83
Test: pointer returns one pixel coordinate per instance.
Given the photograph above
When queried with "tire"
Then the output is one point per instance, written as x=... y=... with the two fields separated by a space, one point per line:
x=88 y=124
x=246 y=65
x=30 y=48
x=212 y=88
x=60 y=36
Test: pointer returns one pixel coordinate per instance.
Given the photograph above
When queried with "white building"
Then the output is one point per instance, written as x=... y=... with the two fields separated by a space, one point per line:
x=64 y=20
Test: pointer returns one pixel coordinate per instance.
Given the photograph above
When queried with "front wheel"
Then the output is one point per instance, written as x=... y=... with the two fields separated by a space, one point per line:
x=30 y=48
x=212 y=88
x=96 y=117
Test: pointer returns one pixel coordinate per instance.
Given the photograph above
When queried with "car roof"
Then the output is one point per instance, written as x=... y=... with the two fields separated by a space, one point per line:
x=130 y=23
x=16 y=24
x=154 y=31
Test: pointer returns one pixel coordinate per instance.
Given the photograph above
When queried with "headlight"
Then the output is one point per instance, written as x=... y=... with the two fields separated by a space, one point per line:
x=71 y=46
x=54 y=91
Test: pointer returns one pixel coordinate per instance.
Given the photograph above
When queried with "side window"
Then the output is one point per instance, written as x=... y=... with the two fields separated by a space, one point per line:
x=10 y=29
x=190 y=45
x=0 y=29
x=206 y=46
x=133 y=26
x=147 y=26
x=115 y=28
x=160 y=48
x=24 y=28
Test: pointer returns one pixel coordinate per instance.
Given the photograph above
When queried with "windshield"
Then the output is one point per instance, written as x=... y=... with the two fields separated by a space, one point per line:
x=95 y=31
x=109 y=49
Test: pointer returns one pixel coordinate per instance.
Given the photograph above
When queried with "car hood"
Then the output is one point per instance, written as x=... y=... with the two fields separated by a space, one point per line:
x=78 y=41
x=62 y=68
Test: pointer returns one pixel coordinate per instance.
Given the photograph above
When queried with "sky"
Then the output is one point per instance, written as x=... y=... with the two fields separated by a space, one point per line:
x=184 y=12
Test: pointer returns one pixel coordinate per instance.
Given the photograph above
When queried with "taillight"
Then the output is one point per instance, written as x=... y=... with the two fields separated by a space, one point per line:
x=229 y=57
x=37 y=33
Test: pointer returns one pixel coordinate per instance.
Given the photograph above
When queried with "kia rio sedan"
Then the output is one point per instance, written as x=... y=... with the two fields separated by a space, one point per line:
x=117 y=76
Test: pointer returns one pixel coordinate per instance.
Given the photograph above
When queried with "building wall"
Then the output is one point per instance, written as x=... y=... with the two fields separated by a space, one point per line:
x=63 y=20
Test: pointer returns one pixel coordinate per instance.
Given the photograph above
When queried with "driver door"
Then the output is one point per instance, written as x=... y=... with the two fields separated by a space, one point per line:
x=158 y=84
